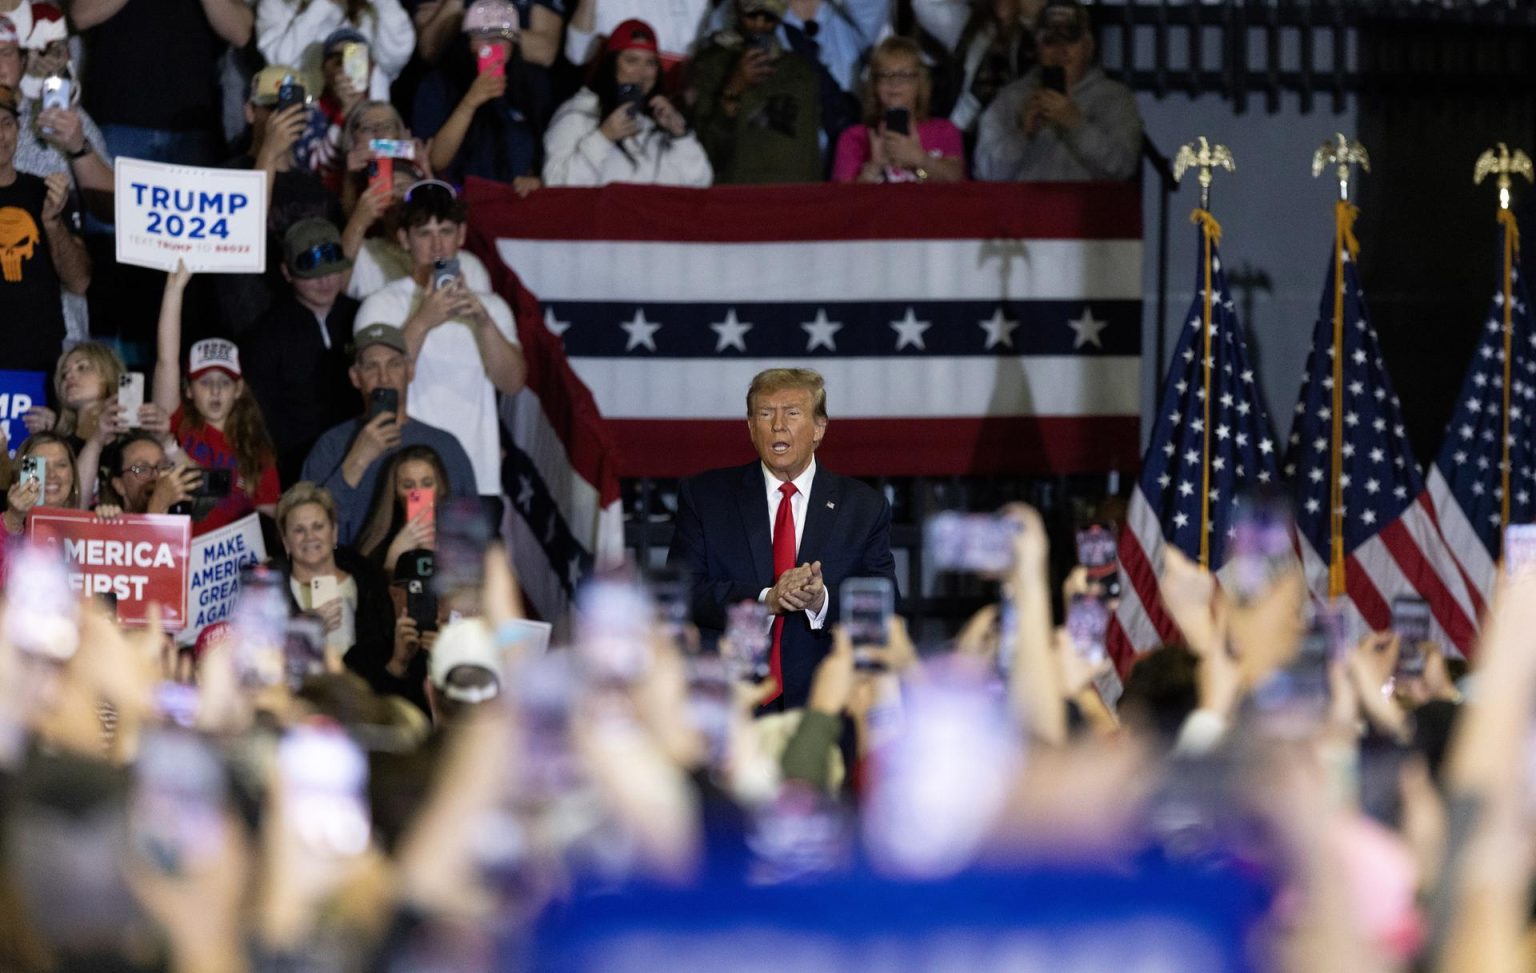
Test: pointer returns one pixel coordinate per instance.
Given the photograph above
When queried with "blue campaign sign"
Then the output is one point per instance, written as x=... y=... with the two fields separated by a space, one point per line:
x=1156 y=917
x=20 y=391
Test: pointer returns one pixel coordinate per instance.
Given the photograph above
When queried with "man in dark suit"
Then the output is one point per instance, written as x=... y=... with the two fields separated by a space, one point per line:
x=782 y=531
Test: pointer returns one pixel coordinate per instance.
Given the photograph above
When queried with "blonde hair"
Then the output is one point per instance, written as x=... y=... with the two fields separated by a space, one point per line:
x=889 y=48
x=298 y=495
x=108 y=366
x=780 y=379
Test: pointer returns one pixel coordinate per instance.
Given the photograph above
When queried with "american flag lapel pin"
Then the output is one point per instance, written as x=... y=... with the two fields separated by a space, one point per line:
x=831 y=505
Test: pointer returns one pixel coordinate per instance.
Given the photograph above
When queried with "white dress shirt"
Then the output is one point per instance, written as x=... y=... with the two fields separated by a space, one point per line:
x=799 y=502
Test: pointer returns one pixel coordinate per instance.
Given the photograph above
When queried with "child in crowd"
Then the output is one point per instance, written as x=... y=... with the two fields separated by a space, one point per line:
x=216 y=418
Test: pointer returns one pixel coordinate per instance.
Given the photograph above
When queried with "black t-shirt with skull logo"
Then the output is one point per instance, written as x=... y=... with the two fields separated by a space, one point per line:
x=31 y=311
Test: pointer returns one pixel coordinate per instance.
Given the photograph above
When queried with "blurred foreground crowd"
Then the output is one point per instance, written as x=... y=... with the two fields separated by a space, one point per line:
x=1260 y=796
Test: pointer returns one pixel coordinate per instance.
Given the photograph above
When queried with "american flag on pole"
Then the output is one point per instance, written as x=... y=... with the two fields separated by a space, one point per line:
x=560 y=464
x=1391 y=543
x=973 y=328
x=1204 y=451
x=1466 y=482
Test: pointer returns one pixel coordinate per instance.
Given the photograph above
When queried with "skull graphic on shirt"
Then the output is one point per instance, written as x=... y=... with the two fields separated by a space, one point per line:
x=18 y=241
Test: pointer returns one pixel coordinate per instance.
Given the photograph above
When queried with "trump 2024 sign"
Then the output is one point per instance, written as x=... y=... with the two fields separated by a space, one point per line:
x=213 y=219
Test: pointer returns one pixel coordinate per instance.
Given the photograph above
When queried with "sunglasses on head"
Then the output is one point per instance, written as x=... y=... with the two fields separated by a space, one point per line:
x=428 y=186
x=318 y=256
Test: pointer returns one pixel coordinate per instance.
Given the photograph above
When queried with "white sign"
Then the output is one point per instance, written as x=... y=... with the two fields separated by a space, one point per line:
x=214 y=219
x=213 y=572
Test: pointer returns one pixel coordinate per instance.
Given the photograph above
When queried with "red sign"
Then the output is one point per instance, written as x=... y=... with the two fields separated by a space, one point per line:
x=138 y=558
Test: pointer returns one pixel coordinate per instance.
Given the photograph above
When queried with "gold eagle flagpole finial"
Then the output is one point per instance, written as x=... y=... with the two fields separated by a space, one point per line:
x=1206 y=158
x=1343 y=153
x=1504 y=164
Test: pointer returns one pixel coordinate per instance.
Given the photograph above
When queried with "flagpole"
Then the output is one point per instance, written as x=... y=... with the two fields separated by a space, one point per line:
x=1505 y=164
x=1336 y=496
x=1206 y=158
x=1342 y=153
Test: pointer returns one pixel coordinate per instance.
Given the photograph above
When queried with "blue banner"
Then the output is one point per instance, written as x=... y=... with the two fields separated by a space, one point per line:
x=20 y=391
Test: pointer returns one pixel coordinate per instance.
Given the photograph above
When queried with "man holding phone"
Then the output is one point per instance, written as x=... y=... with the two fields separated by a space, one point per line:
x=757 y=105
x=462 y=343
x=781 y=530
x=346 y=460
x=1065 y=120
x=296 y=358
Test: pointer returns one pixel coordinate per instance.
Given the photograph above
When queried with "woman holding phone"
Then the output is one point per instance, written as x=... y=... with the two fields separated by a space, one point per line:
x=619 y=129
x=897 y=141
x=45 y=477
x=348 y=595
x=404 y=515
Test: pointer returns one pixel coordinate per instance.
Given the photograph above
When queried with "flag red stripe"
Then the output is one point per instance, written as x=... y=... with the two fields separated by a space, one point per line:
x=1421 y=574
x=1362 y=590
x=725 y=214
x=589 y=441
x=896 y=447
x=1136 y=571
x=1473 y=591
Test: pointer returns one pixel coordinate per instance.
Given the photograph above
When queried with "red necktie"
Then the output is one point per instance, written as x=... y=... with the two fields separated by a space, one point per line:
x=783 y=560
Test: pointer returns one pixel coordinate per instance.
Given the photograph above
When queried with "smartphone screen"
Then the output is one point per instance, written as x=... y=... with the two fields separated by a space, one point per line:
x=672 y=595
x=291 y=93
x=130 y=395
x=491 y=59
x=176 y=811
x=1098 y=551
x=865 y=613
x=382 y=400
x=979 y=543
x=215 y=484
x=419 y=502
x=381 y=175
x=1259 y=548
x=42 y=611
x=748 y=641
x=462 y=537
x=303 y=649
x=322 y=589
x=56 y=92
x=259 y=628
x=325 y=775
x=445 y=272
x=1087 y=626
x=354 y=64
x=614 y=624
x=866 y=608
x=421 y=604
x=1294 y=699
x=1519 y=547
x=897 y=120
x=392 y=148
x=1411 y=623
x=34 y=467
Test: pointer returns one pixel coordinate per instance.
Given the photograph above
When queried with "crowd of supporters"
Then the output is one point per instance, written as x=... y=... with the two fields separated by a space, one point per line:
x=380 y=764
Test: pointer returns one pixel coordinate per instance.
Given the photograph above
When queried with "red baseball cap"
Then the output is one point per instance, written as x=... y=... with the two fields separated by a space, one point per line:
x=632 y=35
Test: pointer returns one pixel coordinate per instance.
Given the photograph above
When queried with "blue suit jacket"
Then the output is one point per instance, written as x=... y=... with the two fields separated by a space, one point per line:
x=725 y=542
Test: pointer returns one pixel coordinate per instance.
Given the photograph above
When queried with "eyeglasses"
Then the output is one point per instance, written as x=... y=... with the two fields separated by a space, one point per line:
x=761 y=15
x=318 y=256
x=897 y=75
x=144 y=470
x=427 y=187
